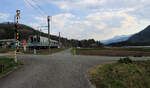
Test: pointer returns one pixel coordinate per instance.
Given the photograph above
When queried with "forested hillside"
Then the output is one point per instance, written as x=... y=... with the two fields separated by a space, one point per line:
x=7 y=31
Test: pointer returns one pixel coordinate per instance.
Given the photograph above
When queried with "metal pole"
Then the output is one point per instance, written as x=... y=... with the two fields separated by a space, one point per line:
x=40 y=31
x=15 y=57
x=14 y=19
x=49 y=19
x=59 y=40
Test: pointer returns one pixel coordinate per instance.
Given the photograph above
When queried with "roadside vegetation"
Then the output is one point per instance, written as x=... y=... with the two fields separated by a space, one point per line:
x=123 y=74
x=7 y=65
x=46 y=51
x=73 y=51
x=121 y=51
x=5 y=50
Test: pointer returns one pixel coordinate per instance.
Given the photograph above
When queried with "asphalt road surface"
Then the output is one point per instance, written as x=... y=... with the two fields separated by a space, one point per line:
x=60 y=70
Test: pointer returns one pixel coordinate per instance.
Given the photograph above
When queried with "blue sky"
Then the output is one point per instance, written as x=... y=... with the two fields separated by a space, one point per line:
x=81 y=19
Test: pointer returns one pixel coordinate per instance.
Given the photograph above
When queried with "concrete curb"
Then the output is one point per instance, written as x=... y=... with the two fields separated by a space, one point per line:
x=93 y=86
x=86 y=76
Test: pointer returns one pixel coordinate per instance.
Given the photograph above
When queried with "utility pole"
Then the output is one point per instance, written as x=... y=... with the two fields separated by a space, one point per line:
x=59 y=40
x=49 y=19
x=17 y=34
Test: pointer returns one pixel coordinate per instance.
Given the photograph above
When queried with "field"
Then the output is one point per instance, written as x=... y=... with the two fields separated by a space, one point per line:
x=136 y=52
x=120 y=75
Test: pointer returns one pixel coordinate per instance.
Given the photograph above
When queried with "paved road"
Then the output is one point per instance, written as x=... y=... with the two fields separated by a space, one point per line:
x=60 y=70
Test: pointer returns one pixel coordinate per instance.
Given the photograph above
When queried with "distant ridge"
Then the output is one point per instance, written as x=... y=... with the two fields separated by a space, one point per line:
x=7 y=30
x=116 y=39
x=141 y=38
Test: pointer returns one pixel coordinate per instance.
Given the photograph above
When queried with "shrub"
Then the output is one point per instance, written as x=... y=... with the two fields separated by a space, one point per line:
x=126 y=60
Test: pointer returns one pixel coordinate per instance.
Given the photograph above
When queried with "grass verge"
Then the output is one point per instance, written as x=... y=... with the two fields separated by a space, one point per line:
x=73 y=51
x=7 y=65
x=121 y=75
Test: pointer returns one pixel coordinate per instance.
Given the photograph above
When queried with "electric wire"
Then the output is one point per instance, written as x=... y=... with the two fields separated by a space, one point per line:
x=35 y=7
x=38 y=6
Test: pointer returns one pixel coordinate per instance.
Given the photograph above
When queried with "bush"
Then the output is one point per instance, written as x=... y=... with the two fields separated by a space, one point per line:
x=126 y=60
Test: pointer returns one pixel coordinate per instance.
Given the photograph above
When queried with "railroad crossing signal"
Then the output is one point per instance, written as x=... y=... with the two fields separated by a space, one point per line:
x=18 y=14
x=17 y=30
x=17 y=33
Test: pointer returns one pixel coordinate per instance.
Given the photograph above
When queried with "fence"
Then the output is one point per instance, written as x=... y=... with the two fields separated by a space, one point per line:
x=2 y=68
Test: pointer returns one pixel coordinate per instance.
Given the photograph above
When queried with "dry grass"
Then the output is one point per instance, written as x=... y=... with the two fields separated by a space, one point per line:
x=118 y=75
x=137 y=52
x=5 y=50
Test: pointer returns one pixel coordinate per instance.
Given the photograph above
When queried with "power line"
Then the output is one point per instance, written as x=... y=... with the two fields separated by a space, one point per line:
x=39 y=6
x=35 y=7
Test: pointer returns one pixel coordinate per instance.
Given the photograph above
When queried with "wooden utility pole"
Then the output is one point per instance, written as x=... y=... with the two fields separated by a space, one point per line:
x=49 y=19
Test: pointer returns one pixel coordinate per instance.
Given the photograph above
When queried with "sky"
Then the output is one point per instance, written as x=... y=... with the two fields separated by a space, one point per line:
x=81 y=19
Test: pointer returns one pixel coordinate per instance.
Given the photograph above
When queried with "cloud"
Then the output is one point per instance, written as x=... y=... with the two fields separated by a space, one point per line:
x=30 y=2
x=104 y=19
x=67 y=24
x=36 y=5
x=111 y=24
x=34 y=25
x=4 y=16
x=96 y=4
x=99 y=26
x=75 y=4
x=83 y=19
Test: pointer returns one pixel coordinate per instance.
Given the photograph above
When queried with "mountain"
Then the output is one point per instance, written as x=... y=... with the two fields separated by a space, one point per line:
x=116 y=39
x=7 y=31
x=141 y=38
